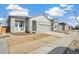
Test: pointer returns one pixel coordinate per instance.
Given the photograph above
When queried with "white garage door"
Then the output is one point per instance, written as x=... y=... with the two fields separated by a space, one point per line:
x=44 y=28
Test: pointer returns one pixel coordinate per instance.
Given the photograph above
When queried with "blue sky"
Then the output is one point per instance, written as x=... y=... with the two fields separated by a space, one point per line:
x=63 y=12
x=35 y=9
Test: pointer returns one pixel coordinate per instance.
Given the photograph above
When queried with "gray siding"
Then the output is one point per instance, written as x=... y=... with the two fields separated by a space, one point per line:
x=43 y=24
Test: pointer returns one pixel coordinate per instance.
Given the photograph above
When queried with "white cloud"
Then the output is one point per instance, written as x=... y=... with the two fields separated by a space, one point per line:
x=16 y=7
x=73 y=17
x=59 y=11
x=73 y=24
x=55 y=11
x=16 y=10
x=63 y=5
x=66 y=6
x=3 y=22
x=69 y=7
x=49 y=17
x=1 y=19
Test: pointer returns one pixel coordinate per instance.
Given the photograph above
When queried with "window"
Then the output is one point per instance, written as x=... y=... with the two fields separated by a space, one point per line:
x=16 y=23
x=19 y=23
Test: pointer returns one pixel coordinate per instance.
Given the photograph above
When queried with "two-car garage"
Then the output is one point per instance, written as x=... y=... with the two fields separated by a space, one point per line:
x=44 y=28
x=40 y=23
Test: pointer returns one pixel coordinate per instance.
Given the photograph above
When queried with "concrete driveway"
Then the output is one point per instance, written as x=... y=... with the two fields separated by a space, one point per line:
x=56 y=34
x=38 y=43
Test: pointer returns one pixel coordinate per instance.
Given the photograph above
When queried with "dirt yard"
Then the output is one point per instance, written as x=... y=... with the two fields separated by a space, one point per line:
x=75 y=42
x=24 y=44
x=21 y=39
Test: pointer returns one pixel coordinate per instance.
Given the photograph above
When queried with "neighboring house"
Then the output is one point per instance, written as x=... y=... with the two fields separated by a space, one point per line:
x=39 y=23
x=63 y=26
x=70 y=27
x=55 y=24
x=34 y=24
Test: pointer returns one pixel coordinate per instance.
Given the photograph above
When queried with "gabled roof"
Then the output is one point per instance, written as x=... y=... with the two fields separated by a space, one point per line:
x=62 y=23
x=19 y=17
x=54 y=19
x=42 y=15
x=24 y=17
x=51 y=20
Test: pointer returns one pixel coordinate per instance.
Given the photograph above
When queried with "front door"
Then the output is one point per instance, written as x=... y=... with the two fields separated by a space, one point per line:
x=34 y=26
x=19 y=26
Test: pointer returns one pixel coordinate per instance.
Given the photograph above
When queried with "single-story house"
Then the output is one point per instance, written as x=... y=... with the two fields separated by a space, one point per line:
x=55 y=24
x=64 y=26
x=70 y=27
x=39 y=23
x=17 y=23
x=34 y=24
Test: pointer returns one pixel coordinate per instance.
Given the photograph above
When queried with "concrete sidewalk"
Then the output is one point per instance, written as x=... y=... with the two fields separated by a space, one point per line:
x=3 y=46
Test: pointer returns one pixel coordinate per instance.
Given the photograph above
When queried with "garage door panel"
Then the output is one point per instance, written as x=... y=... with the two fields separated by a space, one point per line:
x=44 y=28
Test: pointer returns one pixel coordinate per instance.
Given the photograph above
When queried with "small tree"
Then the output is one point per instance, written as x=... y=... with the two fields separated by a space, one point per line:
x=75 y=14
